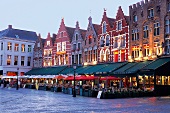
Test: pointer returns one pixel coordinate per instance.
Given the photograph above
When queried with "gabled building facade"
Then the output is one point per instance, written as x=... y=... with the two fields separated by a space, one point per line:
x=149 y=29
x=62 y=45
x=120 y=37
x=48 y=51
x=38 y=52
x=90 y=44
x=16 y=51
x=104 y=39
x=76 y=45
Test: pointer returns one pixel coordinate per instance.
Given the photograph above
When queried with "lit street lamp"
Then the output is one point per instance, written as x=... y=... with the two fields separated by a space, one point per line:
x=17 y=79
x=74 y=91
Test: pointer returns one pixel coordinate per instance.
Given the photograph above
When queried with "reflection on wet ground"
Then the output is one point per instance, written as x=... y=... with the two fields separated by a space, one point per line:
x=33 y=101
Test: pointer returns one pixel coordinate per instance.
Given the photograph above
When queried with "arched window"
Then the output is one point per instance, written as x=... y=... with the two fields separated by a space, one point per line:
x=104 y=27
x=107 y=55
x=107 y=40
x=102 y=41
x=101 y=55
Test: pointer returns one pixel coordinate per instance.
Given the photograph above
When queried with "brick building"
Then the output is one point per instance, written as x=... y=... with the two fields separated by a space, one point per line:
x=76 y=45
x=90 y=44
x=149 y=29
x=38 y=52
x=104 y=39
x=62 y=45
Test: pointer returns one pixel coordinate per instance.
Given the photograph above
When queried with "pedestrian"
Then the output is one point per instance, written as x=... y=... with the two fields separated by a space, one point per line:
x=7 y=83
x=2 y=83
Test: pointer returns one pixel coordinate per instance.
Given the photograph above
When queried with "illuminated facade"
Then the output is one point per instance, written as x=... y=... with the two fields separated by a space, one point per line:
x=62 y=45
x=149 y=29
x=104 y=39
x=76 y=45
x=48 y=51
x=90 y=44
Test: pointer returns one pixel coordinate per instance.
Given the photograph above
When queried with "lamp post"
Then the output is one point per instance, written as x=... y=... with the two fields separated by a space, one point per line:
x=17 y=79
x=74 y=91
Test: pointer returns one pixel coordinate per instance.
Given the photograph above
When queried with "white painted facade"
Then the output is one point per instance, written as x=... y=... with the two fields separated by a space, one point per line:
x=4 y=55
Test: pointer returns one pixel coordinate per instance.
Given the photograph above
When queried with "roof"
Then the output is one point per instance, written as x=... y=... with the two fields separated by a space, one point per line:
x=19 y=34
x=70 y=32
x=83 y=33
x=43 y=41
x=96 y=28
x=127 y=19
x=111 y=21
x=53 y=38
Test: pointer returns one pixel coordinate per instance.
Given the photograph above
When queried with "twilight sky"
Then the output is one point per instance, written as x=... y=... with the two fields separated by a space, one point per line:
x=43 y=16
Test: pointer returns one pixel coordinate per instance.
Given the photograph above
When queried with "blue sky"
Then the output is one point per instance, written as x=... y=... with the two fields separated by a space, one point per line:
x=43 y=16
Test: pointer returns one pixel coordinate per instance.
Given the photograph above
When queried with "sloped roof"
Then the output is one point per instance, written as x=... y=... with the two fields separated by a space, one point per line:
x=53 y=38
x=43 y=41
x=127 y=19
x=20 y=34
x=83 y=33
x=111 y=21
x=96 y=28
x=70 y=32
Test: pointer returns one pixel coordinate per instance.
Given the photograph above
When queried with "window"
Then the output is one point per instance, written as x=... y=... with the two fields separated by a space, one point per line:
x=157 y=48
x=135 y=18
x=86 y=56
x=119 y=25
x=74 y=46
x=168 y=7
x=95 y=55
x=1 y=60
x=145 y=31
x=167 y=46
x=123 y=41
x=90 y=39
x=116 y=42
x=22 y=60
x=63 y=46
x=38 y=45
x=107 y=56
x=102 y=56
x=107 y=40
x=79 y=45
x=16 y=48
x=61 y=34
x=135 y=34
x=104 y=27
x=102 y=41
x=8 y=59
x=58 y=47
x=135 y=52
x=150 y=13
x=9 y=46
x=29 y=61
x=76 y=37
x=156 y=29
x=23 y=48
x=15 y=60
x=48 y=43
x=85 y=42
x=72 y=59
x=2 y=46
x=94 y=38
x=146 y=51
x=167 y=26
x=29 y=48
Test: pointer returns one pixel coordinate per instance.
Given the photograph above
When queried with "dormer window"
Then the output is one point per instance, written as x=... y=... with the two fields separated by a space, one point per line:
x=104 y=27
x=119 y=25
x=150 y=13
x=48 y=43
x=107 y=40
x=135 y=18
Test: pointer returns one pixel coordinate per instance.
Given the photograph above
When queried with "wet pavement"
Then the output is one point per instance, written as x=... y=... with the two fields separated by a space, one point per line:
x=33 y=101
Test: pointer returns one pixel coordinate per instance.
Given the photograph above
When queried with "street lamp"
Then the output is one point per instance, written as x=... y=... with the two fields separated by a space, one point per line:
x=74 y=91
x=17 y=79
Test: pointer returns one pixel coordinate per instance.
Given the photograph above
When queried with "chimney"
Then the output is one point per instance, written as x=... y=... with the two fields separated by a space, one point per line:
x=9 y=26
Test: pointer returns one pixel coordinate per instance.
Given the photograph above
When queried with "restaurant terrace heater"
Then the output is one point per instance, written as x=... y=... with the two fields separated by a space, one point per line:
x=74 y=90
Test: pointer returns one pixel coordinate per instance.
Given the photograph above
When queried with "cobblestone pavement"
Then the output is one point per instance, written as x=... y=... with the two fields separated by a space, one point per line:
x=33 y=101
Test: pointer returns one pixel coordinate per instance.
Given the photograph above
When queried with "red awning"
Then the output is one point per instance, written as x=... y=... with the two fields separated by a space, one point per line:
x=109 y=78
x=59 y=77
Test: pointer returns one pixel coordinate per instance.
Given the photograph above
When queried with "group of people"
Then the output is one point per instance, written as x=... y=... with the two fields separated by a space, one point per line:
x=4 y=83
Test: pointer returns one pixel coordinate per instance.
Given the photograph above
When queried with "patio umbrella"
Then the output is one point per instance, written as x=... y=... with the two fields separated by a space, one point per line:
x=59 y=77
x=109 y=78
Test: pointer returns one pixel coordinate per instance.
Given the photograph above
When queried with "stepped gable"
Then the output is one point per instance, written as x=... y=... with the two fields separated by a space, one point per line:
x=17 y=33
